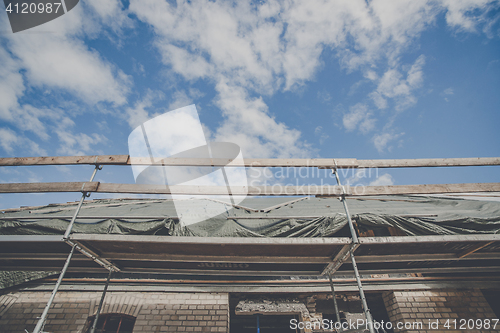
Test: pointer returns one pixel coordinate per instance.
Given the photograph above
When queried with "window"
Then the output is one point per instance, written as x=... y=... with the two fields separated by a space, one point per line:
x=111 y=323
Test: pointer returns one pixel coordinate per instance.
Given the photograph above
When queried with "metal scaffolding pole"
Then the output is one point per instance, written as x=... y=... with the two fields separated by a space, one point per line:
x=92 y=330
x=41 y=322
x=337 y=313
x=368 y=316
x=84 y=195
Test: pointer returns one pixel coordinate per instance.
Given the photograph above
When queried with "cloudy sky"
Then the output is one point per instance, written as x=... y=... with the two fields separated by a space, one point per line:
x=330 y=79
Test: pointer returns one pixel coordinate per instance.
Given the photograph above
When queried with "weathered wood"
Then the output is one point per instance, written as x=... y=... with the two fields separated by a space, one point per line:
x=472 y=250
x=65 y=160
x=339 y=259
x=249 y=162
x=276 y=190
x=218 y=259
x=49 y=187
x=429 y=162
x=424 y=189
x=342 y=163
x=423 y=257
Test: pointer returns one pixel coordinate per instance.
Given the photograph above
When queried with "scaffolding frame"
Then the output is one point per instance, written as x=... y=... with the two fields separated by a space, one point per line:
x=340 y=191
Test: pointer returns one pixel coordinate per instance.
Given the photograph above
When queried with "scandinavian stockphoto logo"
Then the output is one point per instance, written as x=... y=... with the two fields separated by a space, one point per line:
x=26 y=14
x=179 y=134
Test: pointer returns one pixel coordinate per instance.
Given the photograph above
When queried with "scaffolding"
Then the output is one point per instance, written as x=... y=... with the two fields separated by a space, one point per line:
x=325 y=256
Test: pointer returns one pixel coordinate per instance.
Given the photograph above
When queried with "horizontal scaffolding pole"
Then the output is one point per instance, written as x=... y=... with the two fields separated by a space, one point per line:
x=276 y=190
x=97 y=217
x=282 y=217
x=342 y=163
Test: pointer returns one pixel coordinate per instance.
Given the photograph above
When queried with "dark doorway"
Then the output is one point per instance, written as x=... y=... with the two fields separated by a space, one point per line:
x=267 y=324
x=493 y=299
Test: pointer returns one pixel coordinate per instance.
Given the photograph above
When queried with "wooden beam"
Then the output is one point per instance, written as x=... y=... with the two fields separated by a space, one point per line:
x=339 y=259
x=429 y=162
x=49 y=187
x=276 y=190
x=342 y=163
x=423 y=257
x=470 y=251
x=217 y=259
x=65 y=160
x=424 y=189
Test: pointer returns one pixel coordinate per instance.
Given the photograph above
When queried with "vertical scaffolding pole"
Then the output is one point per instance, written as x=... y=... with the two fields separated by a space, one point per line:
x=101 y=303
x=337 y=313
x=41 y=322
x=368 y=316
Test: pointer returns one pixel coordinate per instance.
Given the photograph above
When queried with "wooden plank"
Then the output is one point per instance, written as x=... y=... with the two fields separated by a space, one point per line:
x=276 y=190
x=423 y=189
x=342 y=163
x=49 y=187
x=218 y=259
x=429 y=162
x=429 y=270
x=65 y=160
x=339 y=259
x=222 y=241
x=279 y=190
x=474 y=249
x=430 y=239
x=422 y=257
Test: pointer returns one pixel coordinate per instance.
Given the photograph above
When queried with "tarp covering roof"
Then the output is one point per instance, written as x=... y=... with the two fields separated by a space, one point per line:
x=265 y=217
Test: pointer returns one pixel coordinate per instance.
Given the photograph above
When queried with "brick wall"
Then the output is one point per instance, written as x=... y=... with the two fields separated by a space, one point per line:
x=413 y=307
x=154 y=312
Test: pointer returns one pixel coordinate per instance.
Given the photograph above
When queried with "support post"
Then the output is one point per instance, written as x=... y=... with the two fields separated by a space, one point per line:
x=84 y=195
x=92 y=330
x=41 y=322
x=368 y=316
x=342 y=199
x=337 y=313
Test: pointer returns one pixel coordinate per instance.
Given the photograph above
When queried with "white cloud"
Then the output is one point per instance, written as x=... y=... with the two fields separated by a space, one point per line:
x=448 y=91
x=77 y=144
x=462 y=14
x=62 y=62
x=54 y=57
x=249 y=125
x=384 y=180
x=359 y=117
x=262 y=48
x=393 y=85
x=318 y=131
x=10 y=141
x=138 y=114
x=381 y=141
x=253 y=48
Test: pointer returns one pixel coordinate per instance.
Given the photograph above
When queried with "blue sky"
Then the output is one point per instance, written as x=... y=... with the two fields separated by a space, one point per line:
x=336 y=79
